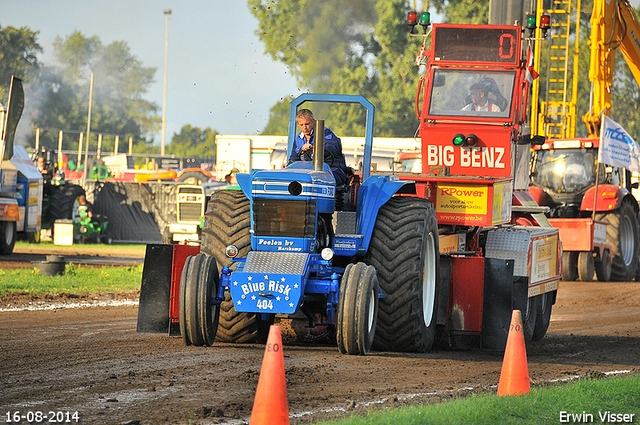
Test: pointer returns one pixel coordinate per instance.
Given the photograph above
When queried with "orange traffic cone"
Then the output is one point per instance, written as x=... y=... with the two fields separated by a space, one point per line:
x=270 y=407
x=514 y=377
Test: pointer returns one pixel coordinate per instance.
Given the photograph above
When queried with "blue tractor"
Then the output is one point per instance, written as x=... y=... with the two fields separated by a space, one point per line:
x=356 y=257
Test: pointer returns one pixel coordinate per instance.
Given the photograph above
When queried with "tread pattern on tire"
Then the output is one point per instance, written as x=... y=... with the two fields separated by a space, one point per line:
x=395 y=252
x=227 y=221
x=619 y=270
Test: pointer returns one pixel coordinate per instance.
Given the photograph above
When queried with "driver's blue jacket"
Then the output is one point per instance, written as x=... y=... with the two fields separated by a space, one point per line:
x=332 y=144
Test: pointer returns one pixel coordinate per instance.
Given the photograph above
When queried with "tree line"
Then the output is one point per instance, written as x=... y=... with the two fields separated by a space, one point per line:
x=57 y=95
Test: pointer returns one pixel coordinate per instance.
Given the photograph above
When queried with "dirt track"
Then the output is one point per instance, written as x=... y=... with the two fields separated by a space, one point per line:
x=92 y=361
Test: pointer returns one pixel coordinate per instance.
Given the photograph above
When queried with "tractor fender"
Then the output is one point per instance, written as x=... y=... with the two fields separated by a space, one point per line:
x=609 y=198
x=245 y=182
x=373 y=193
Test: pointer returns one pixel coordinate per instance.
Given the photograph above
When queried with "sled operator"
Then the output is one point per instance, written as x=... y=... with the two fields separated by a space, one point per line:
x=480 y=100
x=303 y=146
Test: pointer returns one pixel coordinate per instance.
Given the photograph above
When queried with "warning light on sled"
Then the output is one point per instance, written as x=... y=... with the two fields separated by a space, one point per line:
x=545 y=24
x=425 y=20
x=412 y=19
x=471 y=140
x=458 y=140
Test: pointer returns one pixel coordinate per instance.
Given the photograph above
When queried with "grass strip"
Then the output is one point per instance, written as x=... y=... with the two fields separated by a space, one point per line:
x=76 y=280
x=584 y=401
x=89 y=249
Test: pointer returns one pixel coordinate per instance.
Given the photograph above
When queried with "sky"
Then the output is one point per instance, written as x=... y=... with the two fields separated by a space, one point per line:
x=218 y=75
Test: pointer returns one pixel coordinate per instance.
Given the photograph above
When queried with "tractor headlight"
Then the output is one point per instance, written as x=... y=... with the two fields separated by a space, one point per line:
x=231 y=251
x=327 y=254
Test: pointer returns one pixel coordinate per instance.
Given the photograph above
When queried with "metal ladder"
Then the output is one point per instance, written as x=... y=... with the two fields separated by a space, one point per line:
x=555 y=116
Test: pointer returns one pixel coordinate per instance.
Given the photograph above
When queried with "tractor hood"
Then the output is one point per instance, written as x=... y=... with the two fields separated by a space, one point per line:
x=297 y=181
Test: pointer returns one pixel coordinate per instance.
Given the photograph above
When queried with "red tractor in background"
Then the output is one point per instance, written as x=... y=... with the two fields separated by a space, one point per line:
x=590 y=203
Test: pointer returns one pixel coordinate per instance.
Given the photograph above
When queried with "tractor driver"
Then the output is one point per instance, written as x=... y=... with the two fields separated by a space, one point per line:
x=480 y=100
x=303 y=146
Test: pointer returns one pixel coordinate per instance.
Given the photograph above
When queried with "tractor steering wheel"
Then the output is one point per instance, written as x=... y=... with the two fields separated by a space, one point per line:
x=328 y=157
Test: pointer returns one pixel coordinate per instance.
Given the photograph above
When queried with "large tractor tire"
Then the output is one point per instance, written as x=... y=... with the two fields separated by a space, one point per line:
x=622 y=235
x=62 y=199
x=357 y=309
x=8 y=235
x=404 y=249
x=227 y=221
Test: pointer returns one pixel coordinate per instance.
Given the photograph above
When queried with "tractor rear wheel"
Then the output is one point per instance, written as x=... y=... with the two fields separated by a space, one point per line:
x=404 y=250
x=357 y=309
x=198 y=286
x=227 y=221
x=62 y=200
x=622 y=236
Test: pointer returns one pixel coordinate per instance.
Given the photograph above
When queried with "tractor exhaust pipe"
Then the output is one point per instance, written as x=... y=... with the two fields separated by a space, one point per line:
x=318 y=146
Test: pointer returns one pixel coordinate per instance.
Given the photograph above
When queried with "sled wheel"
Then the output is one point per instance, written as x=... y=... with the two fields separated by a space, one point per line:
x=545 y=302
x=530 y=317
x=198 y=285
x=569 y=266
x=603 y=267
x=358 y=309
x=586 y=266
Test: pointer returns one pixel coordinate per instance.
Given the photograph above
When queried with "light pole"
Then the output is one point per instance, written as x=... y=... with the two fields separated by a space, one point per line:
x=167 y=12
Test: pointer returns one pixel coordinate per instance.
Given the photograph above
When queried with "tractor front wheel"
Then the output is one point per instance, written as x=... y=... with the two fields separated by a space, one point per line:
x=357 y=309
x=198 y=286
x=603 y=267
x=586 y=266
x=569 y=265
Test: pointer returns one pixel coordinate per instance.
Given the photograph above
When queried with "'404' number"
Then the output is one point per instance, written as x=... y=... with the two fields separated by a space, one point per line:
x=265 y=304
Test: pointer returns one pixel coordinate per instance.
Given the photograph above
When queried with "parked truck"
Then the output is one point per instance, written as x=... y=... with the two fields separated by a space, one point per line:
x=390 y=261
x=592 y=204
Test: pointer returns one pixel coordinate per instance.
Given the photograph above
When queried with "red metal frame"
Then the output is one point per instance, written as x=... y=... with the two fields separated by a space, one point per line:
x=180 y=254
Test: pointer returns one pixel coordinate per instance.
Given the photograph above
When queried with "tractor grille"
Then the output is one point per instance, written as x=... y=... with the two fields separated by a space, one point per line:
x=190 y=204
x=284 y=218
x=189 y=212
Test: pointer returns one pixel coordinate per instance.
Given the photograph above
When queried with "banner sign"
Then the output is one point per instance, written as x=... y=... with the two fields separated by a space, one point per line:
x=617 y=148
